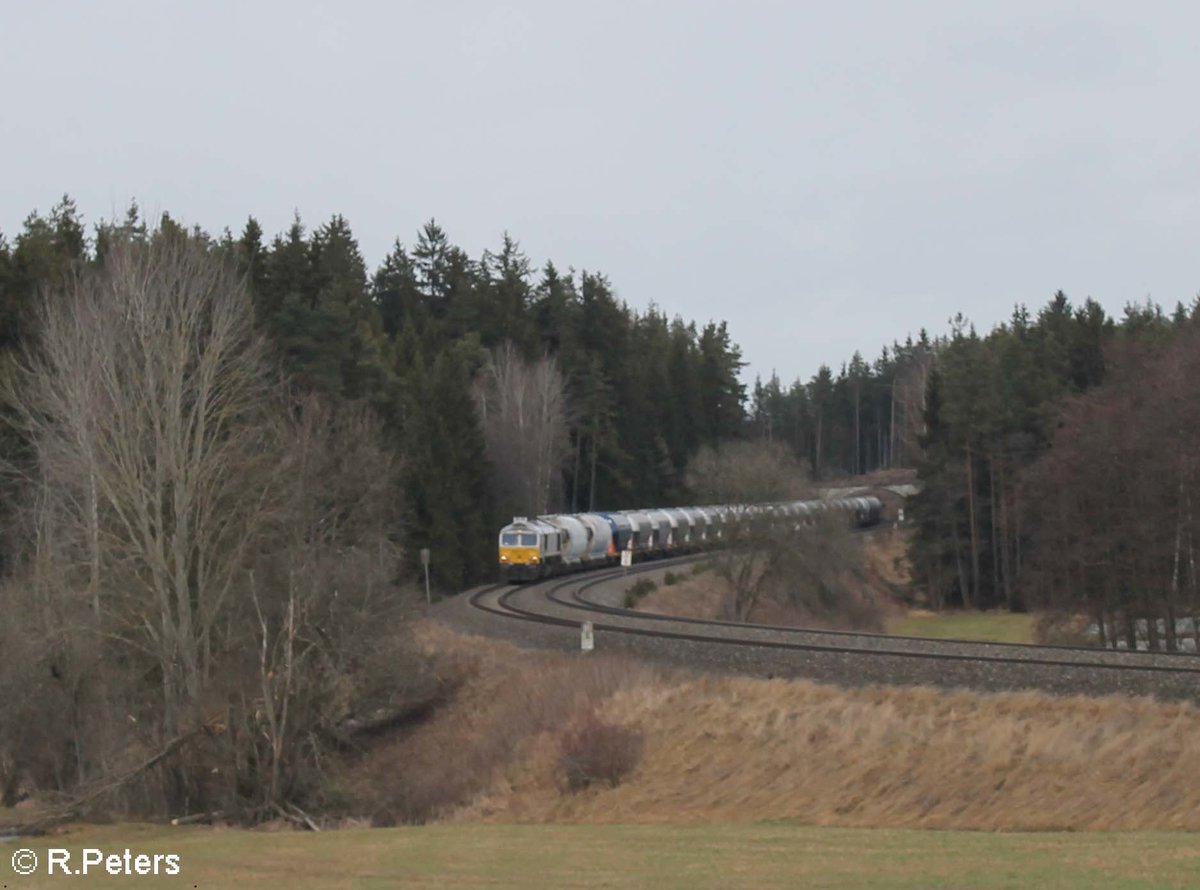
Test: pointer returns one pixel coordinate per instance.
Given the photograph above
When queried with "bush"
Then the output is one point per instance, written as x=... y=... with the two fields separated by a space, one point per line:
x=671 y=578
x=639 y=589
x=1063 y=629
x=595 y=751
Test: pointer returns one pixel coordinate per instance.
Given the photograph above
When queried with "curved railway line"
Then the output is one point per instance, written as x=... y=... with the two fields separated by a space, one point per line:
x=548 y=614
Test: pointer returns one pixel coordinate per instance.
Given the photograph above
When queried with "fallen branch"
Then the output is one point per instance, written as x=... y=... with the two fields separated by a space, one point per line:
x=297 y=816
x=197 y=817
x=77 y=805
x=422 y=702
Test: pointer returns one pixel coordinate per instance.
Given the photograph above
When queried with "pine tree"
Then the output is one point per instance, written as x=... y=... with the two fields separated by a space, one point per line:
x=722 y=393
x=448 y=476
x=504 y=297
x=394 y=290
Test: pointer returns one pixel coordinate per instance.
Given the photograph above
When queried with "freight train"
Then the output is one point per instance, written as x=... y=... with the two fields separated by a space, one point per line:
x=533 y=548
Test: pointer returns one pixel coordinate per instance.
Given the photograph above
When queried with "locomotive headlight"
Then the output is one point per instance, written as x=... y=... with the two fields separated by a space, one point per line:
x=536 y=559
x=504 y=557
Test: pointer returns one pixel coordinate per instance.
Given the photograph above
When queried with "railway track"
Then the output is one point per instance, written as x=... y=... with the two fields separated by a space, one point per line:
x=548 y=614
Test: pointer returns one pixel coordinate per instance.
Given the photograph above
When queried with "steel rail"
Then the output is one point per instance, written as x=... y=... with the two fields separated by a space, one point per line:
x=552 y=588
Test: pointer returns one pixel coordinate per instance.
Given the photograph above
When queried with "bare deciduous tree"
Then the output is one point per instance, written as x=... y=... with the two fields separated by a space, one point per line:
x=808 y=566
x=203 y=549
x=322 y=602
x=1110 y=508
x=144 y=400
x=524 y=413
x=749 y=472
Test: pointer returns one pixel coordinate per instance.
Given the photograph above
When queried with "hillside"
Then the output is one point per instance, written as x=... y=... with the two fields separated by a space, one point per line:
x=734 y=749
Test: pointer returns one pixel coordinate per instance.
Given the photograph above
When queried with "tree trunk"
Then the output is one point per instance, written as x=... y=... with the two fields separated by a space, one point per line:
x=94 y=544
x=817 y=452
x=1152 y=635
x=857 y=434
x=974 y=530
x=1005 y=548
x=963 y=586
x=1131 y=639
x=575 y=473
x=995 y=536
x=1193 y=599
x=891 y=461
x=592 y=481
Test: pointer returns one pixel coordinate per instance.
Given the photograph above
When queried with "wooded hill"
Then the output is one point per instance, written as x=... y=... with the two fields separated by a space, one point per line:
x=424 y=340
x=464 y=357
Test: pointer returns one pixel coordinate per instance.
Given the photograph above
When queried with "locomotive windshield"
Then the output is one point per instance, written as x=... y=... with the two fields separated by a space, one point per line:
x=513 y=539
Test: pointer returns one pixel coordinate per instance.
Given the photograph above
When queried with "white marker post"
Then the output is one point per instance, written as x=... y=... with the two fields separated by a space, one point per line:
x=587 y=639
x=626 y=558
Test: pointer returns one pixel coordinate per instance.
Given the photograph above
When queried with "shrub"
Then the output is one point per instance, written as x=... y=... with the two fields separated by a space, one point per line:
x=1061 y=629
x=671 y=578
x=595 y=751
x=640 y=588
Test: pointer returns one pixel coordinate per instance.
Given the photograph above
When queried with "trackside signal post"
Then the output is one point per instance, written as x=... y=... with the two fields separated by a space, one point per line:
x=425 y=565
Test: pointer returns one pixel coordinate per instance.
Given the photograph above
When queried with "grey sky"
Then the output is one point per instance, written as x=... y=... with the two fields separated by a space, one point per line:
x=827 y=177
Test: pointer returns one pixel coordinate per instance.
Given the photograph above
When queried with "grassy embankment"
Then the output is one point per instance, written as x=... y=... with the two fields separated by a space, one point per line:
x=730 y=749
x=718 y=856
x=989 y=627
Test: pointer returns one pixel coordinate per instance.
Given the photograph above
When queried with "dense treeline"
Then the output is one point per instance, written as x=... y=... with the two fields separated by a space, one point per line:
x=1112 y=505
x=1054 y=455
x=412 y=340
x=994 y=409
x=867 y=417
x=503 y=389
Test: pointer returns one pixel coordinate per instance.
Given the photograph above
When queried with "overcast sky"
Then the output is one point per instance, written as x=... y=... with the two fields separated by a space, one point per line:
x=826 y=177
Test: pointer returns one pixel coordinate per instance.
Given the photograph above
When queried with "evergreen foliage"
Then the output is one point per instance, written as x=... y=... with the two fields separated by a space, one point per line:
x=644 y=392
x=973 y=414
x=409 y=341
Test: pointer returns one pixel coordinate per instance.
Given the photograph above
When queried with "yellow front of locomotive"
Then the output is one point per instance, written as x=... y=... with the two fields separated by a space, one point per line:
x=521 y=557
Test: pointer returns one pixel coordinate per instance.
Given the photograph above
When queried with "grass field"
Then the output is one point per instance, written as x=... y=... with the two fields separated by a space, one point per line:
x=991 y=627
x=756 y=855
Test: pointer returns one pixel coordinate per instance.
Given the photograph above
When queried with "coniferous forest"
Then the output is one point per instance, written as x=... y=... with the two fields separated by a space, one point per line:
x=435 y=342
x=415 y=340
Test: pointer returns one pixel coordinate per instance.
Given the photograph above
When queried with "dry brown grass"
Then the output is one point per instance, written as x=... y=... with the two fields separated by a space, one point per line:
x=695 y=596
x=736 y=750
x=886 y=554
x=505 y=696
x=740 y=749
x=884 y=577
